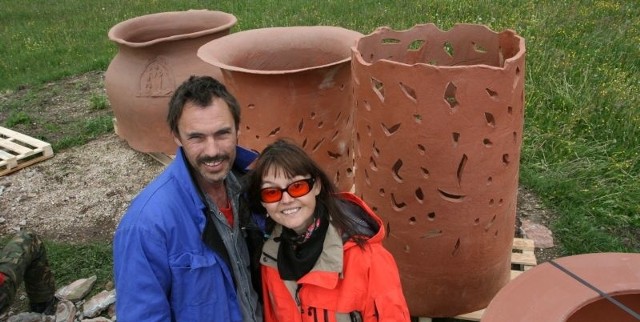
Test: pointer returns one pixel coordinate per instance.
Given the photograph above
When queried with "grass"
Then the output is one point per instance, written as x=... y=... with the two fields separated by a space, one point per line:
x=73 y=262
x=99 y=102
x=16 y=118
x=89 y=129
x=582 y=131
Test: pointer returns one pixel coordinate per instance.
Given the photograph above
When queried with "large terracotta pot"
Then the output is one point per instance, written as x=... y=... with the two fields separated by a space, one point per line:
x=293 y=82
x=156 y=53
x=439 y=118
x=581 y=288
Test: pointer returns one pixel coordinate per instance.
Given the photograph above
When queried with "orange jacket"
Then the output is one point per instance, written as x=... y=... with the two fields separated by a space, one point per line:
x=347 y=283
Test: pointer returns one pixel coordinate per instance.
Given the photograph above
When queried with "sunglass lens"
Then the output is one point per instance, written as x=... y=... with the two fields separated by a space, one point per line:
x=270 y=195
x=298 y=189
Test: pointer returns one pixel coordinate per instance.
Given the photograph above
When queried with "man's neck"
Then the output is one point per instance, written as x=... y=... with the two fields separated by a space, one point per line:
x=217 y=193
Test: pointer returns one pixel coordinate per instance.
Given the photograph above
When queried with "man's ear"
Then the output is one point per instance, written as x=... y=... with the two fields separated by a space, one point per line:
x=176 y=139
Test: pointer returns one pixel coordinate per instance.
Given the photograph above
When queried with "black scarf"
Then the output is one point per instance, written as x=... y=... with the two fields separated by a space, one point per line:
x=296 y=259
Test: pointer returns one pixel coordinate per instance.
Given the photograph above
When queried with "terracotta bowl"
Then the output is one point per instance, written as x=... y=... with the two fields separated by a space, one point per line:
x=559 y=293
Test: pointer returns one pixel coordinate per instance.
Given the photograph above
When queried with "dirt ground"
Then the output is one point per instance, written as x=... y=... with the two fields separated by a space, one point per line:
x=78 y=195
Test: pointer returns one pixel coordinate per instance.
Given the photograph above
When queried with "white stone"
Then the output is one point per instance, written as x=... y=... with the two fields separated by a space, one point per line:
x=76 y=290
x=98 y=303
x=542 y=237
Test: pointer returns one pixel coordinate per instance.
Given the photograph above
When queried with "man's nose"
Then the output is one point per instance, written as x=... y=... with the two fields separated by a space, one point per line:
x=211 y=146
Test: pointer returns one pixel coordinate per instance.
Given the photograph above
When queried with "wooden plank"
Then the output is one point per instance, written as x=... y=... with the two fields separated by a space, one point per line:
x=515 y=273
x=162 y=157
x=115 y=126
x=6 y=156
x=523 y=244
x=8 y=161
x=523 y=253
x=18 y=151
x=525 y=258
x=7 y=144
x=17 y=136
x=473 y=316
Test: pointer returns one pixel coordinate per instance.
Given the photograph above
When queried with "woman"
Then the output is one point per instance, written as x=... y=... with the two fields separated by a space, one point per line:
x=323 y=260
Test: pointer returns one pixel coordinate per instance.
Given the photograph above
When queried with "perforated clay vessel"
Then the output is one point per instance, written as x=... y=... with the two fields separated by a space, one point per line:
x=293 y=82
x=438 y=130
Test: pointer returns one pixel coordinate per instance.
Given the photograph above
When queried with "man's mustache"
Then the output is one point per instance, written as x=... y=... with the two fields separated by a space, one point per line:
x=213 y=159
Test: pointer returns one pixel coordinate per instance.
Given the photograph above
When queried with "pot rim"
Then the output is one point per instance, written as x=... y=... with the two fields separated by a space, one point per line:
x=118 y=32
x=271 y=35
x=357 y=55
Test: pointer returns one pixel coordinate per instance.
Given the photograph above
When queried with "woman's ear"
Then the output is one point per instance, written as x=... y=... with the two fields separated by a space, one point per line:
x=317 y=187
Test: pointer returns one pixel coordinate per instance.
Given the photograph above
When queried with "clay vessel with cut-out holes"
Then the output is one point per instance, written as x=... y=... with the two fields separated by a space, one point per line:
x=581 y=288
x=156 y=53
x=293 y=82
x=438 y=122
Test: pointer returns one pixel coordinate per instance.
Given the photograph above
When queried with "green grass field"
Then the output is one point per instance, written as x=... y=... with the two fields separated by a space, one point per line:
x=582 y=123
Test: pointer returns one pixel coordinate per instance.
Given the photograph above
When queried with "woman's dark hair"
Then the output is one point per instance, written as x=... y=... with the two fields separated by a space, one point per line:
x=285 y=156
x=201 y=90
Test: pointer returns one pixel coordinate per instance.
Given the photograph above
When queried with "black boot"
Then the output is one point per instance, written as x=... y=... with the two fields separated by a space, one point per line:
x=46 y=308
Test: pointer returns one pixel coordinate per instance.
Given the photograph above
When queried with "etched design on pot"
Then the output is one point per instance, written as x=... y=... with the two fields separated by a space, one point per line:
x=157 y=79
x=293 y=82
x=438 y=129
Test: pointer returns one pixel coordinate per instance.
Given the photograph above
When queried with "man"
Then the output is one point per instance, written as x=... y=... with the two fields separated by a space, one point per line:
x=180 y=252
x=25 y=258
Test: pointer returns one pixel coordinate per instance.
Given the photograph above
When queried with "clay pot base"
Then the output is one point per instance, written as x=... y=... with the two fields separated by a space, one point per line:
x=547 y=293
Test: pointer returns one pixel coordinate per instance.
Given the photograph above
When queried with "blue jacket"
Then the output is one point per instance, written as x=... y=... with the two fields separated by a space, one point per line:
x=163 y=270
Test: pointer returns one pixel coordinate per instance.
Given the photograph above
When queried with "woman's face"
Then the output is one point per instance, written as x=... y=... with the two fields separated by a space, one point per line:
x=292 y=212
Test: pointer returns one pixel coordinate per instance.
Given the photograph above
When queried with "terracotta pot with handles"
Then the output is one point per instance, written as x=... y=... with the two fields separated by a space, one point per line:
x=156 y=53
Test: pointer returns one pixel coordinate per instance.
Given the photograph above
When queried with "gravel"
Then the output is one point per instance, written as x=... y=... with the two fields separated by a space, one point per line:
x=80 y=194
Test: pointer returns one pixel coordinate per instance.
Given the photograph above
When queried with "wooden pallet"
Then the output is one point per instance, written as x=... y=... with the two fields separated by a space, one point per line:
x=18 y=151
x=522 y=259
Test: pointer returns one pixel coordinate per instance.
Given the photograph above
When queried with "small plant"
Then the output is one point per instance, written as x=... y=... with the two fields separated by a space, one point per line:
x=70 y=262
x=97 y=126
x=16 y=118
x=99 y=102
x=67 y=142
x=82 y=132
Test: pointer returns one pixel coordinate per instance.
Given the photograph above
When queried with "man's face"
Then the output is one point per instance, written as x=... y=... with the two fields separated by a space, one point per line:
x=208 y=137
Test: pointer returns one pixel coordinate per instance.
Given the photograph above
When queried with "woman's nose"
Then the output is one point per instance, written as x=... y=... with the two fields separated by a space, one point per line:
x=286 y=197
